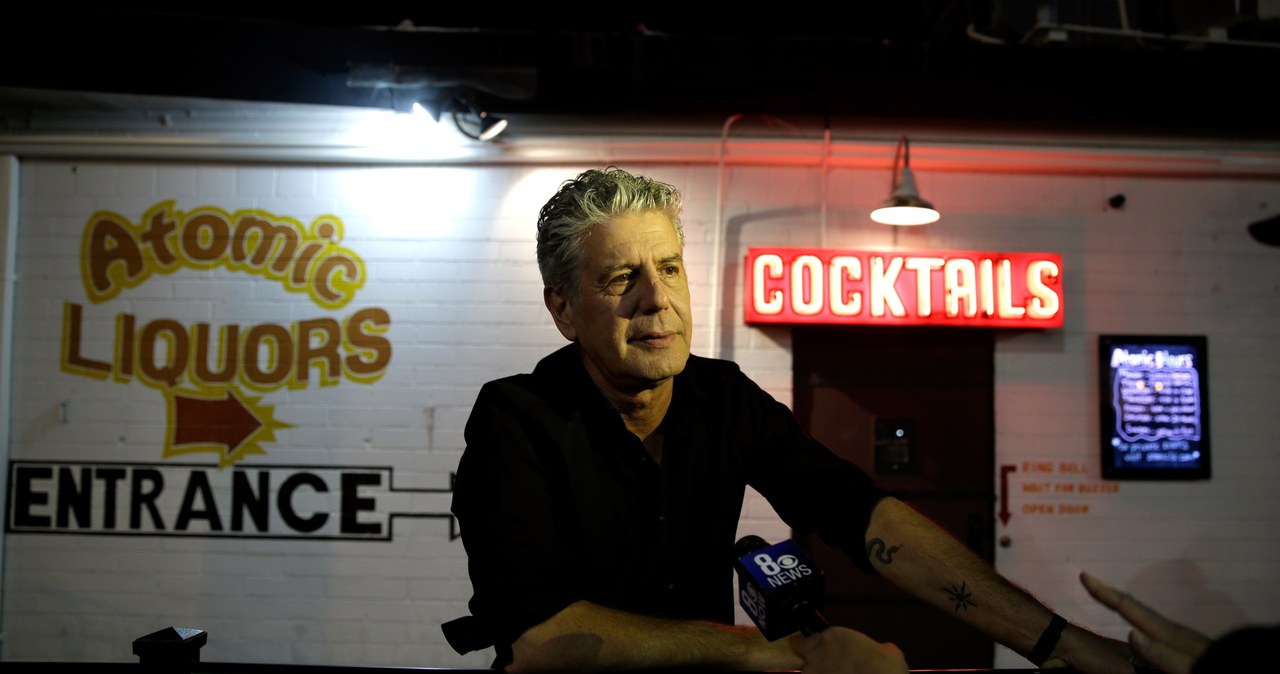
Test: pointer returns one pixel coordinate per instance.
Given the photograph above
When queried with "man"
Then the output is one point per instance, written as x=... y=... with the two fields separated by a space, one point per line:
x=599 y=496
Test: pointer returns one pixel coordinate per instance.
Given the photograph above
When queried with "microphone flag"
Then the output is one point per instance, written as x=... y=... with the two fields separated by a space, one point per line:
x=779 y=587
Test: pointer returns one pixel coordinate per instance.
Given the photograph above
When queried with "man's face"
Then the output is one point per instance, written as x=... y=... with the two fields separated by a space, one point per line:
x=632 y=317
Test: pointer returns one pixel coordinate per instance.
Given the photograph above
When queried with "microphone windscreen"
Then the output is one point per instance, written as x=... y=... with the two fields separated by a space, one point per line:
x=748 y=544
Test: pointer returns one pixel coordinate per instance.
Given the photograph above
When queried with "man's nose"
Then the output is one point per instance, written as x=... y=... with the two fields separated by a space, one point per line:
x=654 y=295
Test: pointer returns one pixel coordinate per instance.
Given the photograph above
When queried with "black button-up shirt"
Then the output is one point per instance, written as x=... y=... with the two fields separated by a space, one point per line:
x=558 y=501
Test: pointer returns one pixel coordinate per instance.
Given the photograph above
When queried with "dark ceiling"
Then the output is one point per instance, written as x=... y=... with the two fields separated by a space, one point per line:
x=1200 y=67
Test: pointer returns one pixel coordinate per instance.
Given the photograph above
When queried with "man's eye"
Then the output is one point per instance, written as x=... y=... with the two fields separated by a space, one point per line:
x=618 y=284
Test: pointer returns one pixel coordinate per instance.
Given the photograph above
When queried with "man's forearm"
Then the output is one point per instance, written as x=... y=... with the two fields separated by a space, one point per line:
x=923 y=559
x=590 y=637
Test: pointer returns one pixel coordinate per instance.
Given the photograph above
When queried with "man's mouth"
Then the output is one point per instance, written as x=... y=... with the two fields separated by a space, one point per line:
x=655 y=339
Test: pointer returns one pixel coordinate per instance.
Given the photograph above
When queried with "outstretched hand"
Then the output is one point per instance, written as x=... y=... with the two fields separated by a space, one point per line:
x=1161 y=643
x=839 y=650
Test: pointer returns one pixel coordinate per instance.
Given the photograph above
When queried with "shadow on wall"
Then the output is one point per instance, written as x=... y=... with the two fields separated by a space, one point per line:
x=1266 y=231
x=1177 y=588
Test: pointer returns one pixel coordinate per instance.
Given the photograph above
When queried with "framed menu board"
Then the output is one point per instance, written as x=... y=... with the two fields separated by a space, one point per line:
x=1154 y=399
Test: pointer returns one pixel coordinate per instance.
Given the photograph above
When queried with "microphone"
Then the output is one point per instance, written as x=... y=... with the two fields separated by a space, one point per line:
x=779 y=587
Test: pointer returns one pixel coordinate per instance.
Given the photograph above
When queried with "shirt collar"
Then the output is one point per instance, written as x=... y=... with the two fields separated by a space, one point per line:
x=563 y=371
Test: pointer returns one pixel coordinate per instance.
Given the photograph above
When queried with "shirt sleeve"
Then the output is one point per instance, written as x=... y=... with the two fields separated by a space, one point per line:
x=812 y=489
x=506 y=505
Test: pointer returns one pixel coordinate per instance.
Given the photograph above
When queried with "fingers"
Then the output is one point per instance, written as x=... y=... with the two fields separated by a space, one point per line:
x=1156 y=639
x=1161 y=655
x=838 y=650
x=1135 y=612
x=1054 y=662
x=1109 y=596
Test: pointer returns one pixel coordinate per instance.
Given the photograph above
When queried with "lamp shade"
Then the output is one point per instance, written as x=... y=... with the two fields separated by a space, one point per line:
x=490 y=127
x=475 y=122
x=904 y=207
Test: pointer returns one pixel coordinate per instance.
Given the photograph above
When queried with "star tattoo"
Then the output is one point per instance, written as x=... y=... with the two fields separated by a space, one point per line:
x=960 y=596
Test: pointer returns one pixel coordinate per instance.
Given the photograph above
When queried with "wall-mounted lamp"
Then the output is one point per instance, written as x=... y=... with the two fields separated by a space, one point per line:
x=476 y=123
x=904 y=205
x=472 y=121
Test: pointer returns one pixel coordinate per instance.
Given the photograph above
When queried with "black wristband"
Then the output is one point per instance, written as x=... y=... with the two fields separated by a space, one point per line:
x=1048 y=640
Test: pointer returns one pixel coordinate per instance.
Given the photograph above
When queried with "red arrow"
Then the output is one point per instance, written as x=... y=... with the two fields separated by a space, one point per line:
x=201 y=421
x=1004 y=492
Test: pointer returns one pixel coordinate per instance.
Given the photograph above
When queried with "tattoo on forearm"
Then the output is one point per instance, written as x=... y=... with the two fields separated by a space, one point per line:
x=960 y=596
x=881 y=552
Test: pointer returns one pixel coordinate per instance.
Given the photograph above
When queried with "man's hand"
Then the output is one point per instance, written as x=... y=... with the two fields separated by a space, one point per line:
x=587 y=637
x=1171 y=647
x=1083 y=651
x=839 y=650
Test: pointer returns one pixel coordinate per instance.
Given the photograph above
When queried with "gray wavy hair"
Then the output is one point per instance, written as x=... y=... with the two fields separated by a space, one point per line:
x=591 y=199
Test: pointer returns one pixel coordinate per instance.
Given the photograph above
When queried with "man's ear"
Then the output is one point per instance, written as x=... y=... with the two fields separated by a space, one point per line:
x=561 y=311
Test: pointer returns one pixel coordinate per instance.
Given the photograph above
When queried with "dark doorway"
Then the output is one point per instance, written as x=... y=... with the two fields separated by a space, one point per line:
x=914 y=408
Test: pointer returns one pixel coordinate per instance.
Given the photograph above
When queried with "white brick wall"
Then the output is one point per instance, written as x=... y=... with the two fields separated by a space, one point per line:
x=449 y=254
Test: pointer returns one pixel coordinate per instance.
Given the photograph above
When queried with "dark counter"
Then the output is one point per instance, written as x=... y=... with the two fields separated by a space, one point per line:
x=264 y=668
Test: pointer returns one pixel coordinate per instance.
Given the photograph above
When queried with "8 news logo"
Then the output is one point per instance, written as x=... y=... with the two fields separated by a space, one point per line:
x=753 y=602
x=770 y=567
